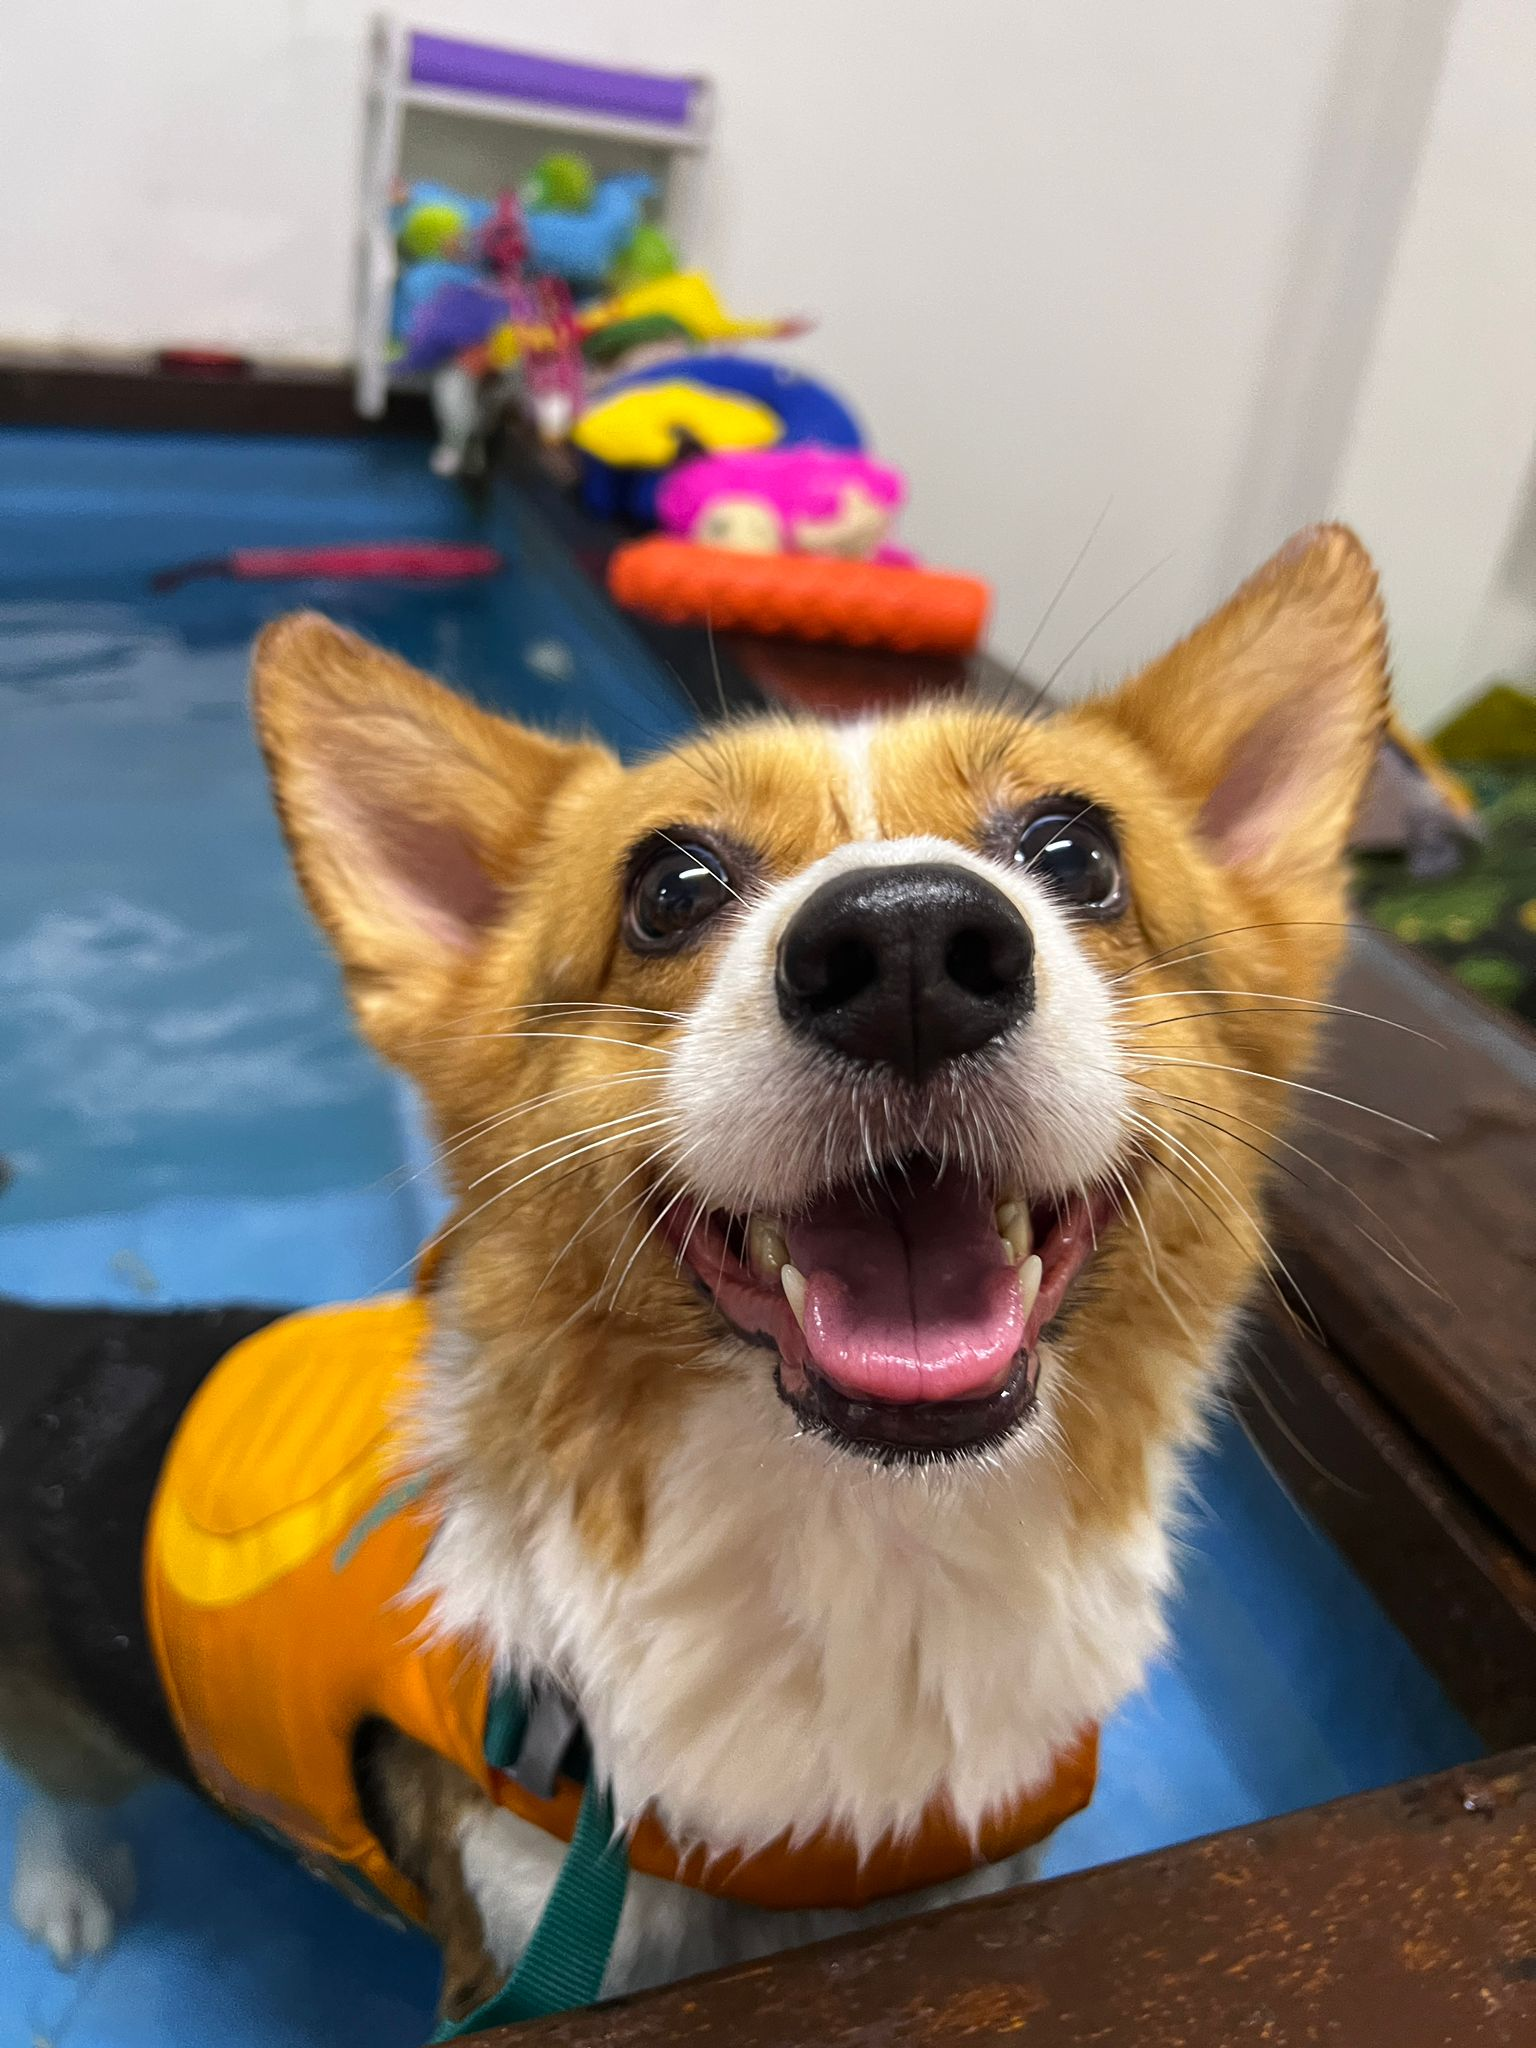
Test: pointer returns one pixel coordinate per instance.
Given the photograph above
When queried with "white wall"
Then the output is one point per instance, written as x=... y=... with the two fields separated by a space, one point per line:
x=1051 y=243
x=1440 y=465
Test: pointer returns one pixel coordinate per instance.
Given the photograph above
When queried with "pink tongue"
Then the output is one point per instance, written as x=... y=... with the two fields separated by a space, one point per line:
x=909 y=1293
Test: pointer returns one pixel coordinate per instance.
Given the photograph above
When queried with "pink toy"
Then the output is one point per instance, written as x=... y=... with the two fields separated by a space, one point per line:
x=802 y=500
x=504 y=240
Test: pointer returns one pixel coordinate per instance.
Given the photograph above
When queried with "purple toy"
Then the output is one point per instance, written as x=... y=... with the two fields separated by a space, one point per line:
x=802 y=500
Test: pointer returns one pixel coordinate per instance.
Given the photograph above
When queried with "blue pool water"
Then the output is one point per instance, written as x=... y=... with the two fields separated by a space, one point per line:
x=188 y=1117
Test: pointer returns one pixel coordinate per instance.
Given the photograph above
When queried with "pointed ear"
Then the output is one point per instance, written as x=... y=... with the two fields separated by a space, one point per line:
x=1268 y=717
x=409 y=813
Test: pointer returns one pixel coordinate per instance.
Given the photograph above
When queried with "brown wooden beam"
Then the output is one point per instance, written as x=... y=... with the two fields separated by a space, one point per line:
x=1404 y=1918
x=1461 y=1591
x=1452 y=1353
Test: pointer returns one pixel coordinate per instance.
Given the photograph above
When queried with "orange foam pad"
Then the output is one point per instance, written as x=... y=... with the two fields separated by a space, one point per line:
x=801 y=597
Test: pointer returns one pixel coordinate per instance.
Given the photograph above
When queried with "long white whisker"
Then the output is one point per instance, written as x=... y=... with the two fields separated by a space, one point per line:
x=468 y=1134
x=1220 y=1010
x=1261 y=996
x=565 y=1138
x=1277 y=1081
x=656 y=1224
x=1104 y=616
x=577 y=1004
x=661 y=1053
x=1415 y=1271
x=1169 y=956
x=570 y=1008
x=1202 y=1167
x=1291 y=1438
x=588 y=1221
x=1056 y=596
x=700 y=1212
x=683 y=850
x=549 y=1165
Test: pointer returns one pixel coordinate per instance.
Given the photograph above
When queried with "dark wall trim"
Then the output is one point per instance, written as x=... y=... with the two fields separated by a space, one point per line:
x=136 y=393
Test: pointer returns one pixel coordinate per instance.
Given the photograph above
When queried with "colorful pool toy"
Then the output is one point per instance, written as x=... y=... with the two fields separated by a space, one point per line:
x=645 y=420
x=801 y=597
x=798 y=500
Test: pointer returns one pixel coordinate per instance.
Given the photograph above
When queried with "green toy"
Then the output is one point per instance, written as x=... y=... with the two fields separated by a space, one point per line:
x=650 y=256
x=562 y=182
x=431 y=231
x=605 y=345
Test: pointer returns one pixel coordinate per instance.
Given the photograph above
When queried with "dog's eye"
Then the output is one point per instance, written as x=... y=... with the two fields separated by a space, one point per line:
x=1071 y=847
x=675 y=889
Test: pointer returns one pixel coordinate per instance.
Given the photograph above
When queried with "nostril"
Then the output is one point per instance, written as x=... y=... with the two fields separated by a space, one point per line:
x=985 y=963
x=848 y=967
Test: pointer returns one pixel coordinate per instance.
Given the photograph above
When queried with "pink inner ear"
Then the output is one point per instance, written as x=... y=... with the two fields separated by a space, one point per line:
x=1267 y=786
x=430 y=872
x=438 y=872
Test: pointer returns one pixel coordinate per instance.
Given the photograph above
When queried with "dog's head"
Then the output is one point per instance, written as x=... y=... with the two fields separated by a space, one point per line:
x=923 y=1070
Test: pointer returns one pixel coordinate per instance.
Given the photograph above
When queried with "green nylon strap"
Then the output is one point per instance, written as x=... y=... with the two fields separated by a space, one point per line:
x=567 y=1955
x=506 y=1721
x=562 y=1967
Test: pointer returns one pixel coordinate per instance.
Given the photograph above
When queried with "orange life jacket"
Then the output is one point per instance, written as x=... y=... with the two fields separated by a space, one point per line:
x=281 y=1547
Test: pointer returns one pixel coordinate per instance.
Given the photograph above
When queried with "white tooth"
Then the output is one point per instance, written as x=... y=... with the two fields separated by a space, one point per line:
x=766 y=1247
x=1013 y=1225
x=792 y=1280
x=1029 y=1284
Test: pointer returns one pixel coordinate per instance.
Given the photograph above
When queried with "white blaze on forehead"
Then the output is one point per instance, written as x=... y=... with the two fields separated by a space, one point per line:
x=857 y=781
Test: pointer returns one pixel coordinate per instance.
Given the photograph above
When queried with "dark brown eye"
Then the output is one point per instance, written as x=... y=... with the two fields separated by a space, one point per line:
x=676 y=887
x=1070 y=846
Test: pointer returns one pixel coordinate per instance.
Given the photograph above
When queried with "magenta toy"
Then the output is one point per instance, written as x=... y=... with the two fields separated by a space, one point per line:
x=802 y=500
x=504 y=240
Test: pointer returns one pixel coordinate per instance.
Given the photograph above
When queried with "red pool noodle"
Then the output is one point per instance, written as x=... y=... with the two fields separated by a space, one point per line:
x=397 y=561
x=801 y=597
x=375 y=561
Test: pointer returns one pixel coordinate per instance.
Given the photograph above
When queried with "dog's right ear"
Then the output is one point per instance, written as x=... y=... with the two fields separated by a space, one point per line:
x=409 y=812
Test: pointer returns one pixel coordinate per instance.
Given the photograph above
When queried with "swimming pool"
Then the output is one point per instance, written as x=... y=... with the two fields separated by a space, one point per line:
x=188 y=1117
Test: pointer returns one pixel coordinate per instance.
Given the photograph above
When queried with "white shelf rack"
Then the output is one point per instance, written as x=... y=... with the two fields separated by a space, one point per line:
x=478 y=117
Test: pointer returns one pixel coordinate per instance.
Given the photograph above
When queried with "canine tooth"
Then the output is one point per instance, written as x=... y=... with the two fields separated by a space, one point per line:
x=766 y=1247
x=1029 y=1284
x=792 y=1280
x=1013 y=1226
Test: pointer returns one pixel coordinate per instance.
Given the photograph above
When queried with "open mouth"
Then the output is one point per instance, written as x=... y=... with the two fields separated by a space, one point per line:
x=906 y=1309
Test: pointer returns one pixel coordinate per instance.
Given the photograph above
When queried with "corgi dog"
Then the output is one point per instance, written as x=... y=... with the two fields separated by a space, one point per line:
x=858 y=1137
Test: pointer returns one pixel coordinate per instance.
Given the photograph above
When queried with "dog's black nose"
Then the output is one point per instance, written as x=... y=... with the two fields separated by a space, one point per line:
x=906 y=967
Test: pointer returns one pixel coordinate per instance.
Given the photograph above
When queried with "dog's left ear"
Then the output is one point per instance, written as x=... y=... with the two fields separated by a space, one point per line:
x=1268 y=716
x=410 y=813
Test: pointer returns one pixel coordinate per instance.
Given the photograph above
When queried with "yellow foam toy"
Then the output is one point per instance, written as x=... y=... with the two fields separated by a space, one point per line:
x=639 y=428
x=689 y=299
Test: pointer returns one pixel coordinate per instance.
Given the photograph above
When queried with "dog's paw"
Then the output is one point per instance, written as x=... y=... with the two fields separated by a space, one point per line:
x=71 y=1886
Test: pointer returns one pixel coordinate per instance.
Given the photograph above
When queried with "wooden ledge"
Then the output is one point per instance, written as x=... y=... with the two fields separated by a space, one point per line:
x=1405 y=1917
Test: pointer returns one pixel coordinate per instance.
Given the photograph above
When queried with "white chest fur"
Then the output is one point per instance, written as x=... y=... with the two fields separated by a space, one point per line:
x=806 y=1641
